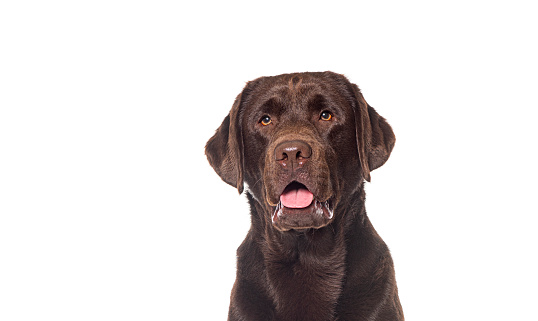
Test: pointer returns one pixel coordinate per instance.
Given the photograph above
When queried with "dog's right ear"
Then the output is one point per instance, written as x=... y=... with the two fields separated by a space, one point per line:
x=224 y=150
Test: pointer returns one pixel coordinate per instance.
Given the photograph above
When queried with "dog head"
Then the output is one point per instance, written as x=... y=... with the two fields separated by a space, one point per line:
x=301 y=142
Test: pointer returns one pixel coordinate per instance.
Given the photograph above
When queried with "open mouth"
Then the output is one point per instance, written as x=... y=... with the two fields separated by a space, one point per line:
x=299 y=209
x=296 y=195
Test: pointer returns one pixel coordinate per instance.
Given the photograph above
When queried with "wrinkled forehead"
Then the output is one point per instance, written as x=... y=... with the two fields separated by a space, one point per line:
x=296 y=91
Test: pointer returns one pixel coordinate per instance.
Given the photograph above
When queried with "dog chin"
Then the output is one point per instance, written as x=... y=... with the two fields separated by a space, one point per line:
x=316 y=215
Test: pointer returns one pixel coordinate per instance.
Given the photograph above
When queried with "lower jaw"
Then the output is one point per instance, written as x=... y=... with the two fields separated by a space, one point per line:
x=316 y=215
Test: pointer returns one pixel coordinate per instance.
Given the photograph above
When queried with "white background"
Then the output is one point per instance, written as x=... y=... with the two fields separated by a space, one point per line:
x=109 y=210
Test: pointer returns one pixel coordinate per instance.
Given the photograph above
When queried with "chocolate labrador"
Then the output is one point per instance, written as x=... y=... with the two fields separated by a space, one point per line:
x=304 y=144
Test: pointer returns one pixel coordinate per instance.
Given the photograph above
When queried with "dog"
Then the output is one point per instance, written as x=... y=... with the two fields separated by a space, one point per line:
x=304 y=144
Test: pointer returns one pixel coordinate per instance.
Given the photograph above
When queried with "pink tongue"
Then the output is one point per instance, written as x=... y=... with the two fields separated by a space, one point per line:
x=296 y=198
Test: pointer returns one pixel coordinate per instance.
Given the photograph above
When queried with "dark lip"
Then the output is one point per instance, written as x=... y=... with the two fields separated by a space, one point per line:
x=317 y=215
x=327 y=204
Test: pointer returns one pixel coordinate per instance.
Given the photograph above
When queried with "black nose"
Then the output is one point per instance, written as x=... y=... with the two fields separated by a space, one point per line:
x=293 y=154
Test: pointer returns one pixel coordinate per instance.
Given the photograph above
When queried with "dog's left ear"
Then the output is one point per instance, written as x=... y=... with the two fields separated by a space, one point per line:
x=224 y=150
x=375 y=137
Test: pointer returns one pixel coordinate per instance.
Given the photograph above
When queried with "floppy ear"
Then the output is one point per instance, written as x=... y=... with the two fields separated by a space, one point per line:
x=375 y=137
x=224 y=150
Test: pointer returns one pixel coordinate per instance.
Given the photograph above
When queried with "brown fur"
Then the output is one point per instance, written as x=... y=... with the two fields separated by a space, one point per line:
x=302 y=266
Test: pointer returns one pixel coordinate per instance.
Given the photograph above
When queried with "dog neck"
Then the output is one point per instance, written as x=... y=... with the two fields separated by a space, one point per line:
x=304 y=268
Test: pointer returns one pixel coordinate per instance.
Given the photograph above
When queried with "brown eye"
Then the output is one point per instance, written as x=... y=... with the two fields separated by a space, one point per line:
x=266 y=120
x=326 y=116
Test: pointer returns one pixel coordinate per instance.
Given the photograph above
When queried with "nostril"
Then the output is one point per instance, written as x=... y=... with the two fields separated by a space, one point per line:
x=300 y=159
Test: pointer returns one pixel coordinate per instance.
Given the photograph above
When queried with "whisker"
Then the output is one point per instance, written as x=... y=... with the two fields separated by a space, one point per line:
x=257 y=182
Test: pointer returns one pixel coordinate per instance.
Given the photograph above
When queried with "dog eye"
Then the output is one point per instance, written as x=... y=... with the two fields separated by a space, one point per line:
x=326 y=116
x=266 y=120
